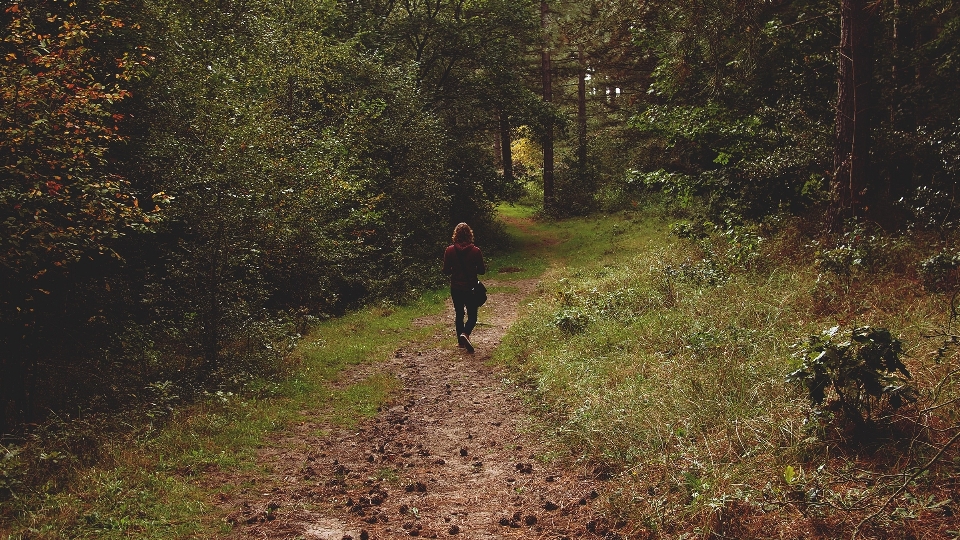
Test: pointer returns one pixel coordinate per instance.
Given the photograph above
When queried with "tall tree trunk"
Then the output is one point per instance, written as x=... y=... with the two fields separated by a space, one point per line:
x=506 y=153
x=852 y=146
x=291 y=81
x=582 y=116
x=900 y=181
x=498 y=139
x=895 y=74
x=212 y=322
x=548 y=97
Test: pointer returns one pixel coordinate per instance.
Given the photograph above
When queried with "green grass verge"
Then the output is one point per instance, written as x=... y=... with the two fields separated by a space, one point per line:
x=664 y=361
x=150 y=487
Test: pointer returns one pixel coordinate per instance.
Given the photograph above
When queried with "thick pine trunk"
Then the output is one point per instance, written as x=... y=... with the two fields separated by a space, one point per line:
x=851 y=151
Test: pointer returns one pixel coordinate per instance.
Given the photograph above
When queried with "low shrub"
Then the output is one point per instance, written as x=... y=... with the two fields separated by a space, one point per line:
x=863 y=373
x=571 y=321
x=939 y=272
x=857 y=249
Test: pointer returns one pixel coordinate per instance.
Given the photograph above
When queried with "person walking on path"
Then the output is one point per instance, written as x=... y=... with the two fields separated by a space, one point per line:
x=463 y=261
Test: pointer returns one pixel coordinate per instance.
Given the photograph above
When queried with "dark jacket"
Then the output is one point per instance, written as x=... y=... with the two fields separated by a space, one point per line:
x=462 y=262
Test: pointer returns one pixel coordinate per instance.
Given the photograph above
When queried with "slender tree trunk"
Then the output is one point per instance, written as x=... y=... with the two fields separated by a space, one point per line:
x=213 y=316
x=506 y=153
x=895 y=74
x=896 y=183
x=211 y=325
x=498 y=140
x=582 y=116
x=852 y=145
x=548 y=97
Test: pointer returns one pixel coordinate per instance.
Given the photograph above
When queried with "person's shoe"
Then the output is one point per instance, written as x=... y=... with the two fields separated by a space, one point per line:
x=465 y=342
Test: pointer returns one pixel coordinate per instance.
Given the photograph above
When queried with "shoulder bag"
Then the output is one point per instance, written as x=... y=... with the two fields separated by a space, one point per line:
x=478 y=293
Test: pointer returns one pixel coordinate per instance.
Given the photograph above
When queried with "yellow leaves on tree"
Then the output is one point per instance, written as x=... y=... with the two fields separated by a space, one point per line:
x=57 y=200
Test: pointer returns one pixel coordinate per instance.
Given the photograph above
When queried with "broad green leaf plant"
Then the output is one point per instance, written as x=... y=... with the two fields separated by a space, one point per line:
x=860 y=372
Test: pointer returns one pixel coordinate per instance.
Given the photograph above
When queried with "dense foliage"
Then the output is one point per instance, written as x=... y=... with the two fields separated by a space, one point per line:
x=185 y=184
x=730 y=107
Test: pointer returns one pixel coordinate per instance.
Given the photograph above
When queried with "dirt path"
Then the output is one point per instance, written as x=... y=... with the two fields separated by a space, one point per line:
x=453 y=455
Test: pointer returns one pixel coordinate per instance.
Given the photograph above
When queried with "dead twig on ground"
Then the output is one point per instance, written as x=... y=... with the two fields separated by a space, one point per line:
x=900 y=489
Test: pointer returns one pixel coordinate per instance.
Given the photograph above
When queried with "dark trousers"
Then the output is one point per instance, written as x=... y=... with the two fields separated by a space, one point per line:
x=460 y=298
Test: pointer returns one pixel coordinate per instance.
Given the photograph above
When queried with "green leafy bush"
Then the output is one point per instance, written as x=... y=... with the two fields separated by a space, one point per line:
x=932 y=209
x=862 y=374
x=571 y=321
x=743 y=246
x=939 y=271
x=692 y=230
x=858 y=249
x=11 y=472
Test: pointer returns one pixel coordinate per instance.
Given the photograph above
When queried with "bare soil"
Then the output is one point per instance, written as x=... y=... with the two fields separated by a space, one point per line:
x=454 y=454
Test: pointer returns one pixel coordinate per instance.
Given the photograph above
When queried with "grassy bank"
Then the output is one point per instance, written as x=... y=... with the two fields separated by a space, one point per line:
x=663 y=362
x=146 y=484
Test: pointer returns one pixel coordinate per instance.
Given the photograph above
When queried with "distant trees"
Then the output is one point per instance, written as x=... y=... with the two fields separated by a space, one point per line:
x=587 y=66
x=738 y=103
x=754 y=107
x=469 y=59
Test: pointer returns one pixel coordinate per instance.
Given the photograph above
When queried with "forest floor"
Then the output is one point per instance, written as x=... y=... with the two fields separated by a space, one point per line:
x=455 y=452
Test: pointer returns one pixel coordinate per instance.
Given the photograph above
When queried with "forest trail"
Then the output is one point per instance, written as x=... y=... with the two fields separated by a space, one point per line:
x=454 y=454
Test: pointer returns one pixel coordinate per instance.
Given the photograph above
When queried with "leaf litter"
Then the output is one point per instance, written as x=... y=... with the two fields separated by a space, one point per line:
x=455 y=453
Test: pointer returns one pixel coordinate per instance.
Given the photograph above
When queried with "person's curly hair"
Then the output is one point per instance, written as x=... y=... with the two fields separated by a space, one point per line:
x=462 y=234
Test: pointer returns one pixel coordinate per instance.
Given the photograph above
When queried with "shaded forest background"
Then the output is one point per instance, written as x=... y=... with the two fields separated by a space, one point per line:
x=187 y=185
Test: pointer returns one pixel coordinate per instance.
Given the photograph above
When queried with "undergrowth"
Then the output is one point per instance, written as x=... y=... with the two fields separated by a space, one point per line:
x=664 y=360
x=659 y=358
x=98 y=478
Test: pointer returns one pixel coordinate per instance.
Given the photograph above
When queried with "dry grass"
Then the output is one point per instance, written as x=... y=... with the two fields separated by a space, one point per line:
x=665 y=363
